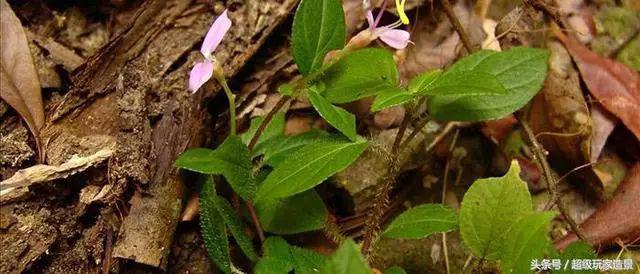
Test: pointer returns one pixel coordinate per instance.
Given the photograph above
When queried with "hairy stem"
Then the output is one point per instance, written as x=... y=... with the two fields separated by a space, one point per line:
x=232 y=105
x=541 y=159
x=458 y=26
x=382 y=195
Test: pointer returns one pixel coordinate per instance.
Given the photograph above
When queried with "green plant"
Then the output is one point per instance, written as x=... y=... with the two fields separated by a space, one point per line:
x=275 y=174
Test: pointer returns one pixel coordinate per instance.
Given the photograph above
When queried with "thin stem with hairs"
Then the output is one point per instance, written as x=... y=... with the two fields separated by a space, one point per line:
x=541 y=160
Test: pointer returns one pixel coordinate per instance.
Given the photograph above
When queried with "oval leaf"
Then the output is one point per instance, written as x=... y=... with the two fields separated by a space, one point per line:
x=391 y=97
x=422 y=221
x=278 y=149
x=424 y=81
x=526 y=240
x=299 y=213
x=489 y=208
x=339 y=118
x=521 y=71
x=308 y=167
x=318 y=28
x=360 y=74
x=347 y=259
x=231 y=159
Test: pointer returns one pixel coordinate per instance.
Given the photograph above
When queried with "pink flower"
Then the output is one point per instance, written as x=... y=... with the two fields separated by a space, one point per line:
x=391 y=36
x=203 y=71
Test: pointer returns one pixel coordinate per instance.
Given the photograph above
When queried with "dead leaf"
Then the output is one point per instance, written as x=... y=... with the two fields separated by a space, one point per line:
x=559 y=115
x=498 y=130
x=615 y=85
x=19 y=77
x=617 y=220
x=603 y=123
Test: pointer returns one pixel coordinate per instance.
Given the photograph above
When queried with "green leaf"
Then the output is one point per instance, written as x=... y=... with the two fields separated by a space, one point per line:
x=237 y=229
x=306 y=261
x=424 y=81
x=521 y=71
x=318 y=28
x=576 y=250
x=422 y=221
x=298 y=213
x=286 y=89
x=279 y=148
x=489 y=208
x=346 y=260
x=339 y=118
x=273 y=129
x=391 y=97
x=468 y=83
x=279 y=254
x=272 y=266
x=308 y=167
x=231 y=159
x=213 y=229
x=360 y=74
x=526 y=240
x=276 y=247
x=395 y=270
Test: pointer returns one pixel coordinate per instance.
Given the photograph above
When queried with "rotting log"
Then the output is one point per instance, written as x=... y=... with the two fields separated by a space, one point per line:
x=131 y=94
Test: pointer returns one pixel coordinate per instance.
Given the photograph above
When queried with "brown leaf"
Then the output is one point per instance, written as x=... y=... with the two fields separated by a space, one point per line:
x=20 y=83
x=617 y=220
x=613 y=84
x=603 y=123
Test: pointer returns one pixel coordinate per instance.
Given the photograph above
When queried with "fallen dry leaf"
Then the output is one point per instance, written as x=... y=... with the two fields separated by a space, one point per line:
x=559 y=114
x=603 y=123
x=498 y=130
x=20 y=83
x=617 y=220
x=613 y=84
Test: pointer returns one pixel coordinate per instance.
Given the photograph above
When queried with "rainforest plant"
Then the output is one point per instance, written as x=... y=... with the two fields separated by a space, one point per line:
x=275 y=174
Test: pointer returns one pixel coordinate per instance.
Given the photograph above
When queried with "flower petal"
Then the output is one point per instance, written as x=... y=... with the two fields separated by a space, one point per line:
x=218 y=29
x=200 y=74
x=370 y=19
x=395 y=38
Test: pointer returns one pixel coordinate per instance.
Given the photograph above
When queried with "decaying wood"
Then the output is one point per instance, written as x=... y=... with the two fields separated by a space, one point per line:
x=18 y=185
x=133 y=93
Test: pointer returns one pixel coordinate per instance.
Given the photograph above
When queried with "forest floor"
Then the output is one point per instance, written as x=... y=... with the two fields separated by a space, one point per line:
x=98 y=192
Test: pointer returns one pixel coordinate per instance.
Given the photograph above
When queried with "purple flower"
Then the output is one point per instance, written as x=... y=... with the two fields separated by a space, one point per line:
x=203 y=71
x=391 y=36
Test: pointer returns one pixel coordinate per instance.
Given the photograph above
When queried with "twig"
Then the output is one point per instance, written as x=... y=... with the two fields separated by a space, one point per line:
x=540 y=158
x=458 y=26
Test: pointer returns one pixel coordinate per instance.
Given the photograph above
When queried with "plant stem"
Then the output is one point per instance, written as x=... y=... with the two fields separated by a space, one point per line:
x=458 y=26
x=541 y=159
x=256 y=221
x=254 y=140
x=382 y=195
x=232 y=105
